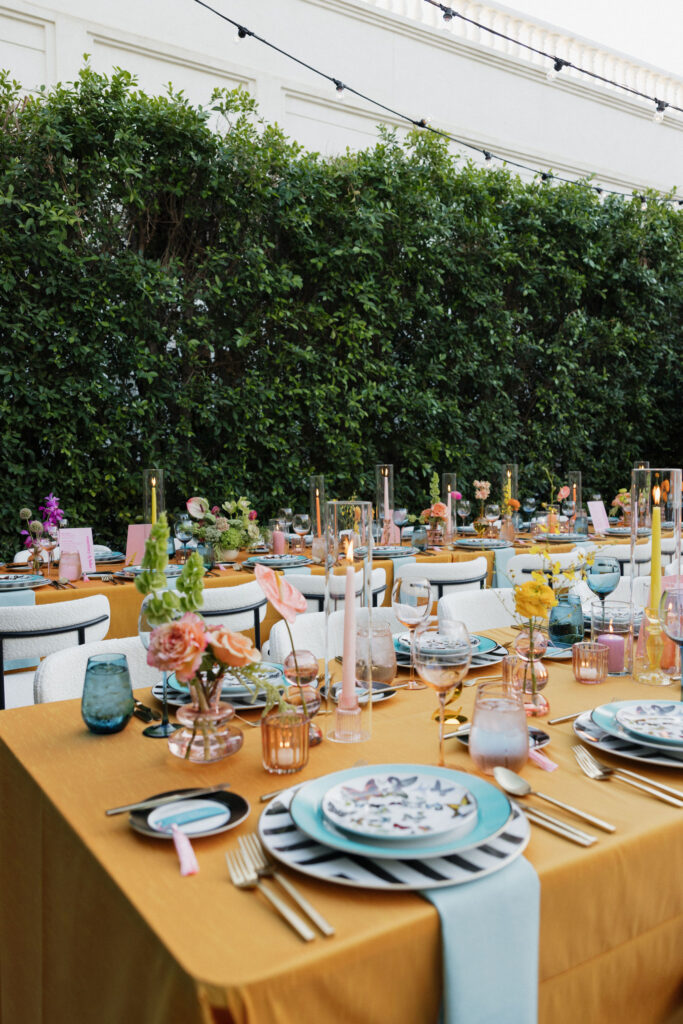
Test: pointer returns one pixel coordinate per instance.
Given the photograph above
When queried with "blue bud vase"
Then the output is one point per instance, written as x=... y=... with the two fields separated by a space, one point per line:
x=565 y=623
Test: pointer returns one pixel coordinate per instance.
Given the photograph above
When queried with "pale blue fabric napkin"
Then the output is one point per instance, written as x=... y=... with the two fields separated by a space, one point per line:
x=17 y=597
x=404 y=560
x=489 y=932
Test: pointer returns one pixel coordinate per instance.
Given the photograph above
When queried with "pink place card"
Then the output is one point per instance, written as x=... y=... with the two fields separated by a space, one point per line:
x=599 y=516
x=137 y=538
x=79 y=540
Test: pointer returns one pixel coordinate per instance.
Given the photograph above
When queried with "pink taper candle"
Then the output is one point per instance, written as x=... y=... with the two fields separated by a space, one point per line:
x=656 y=565
x=387 y=510
x=349 y=700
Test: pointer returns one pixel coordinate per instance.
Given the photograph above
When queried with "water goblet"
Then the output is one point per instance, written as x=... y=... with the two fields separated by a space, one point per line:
x=301 y=671
x=491 y=513
x=528 y=507
x=442 y=657
x=603 y=575
x=375 y=654
x=499 y=734
x=671 y=618
x=401 y=520
x=464 y=508
x=285 y=514
x=411 y=603
x=301 y=525
x=48 y=542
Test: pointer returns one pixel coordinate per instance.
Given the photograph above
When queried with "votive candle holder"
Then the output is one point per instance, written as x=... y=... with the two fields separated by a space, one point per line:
x=589 y=662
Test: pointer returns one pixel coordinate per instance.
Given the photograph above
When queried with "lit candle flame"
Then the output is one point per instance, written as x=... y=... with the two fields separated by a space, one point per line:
x=656 y=494
x=611 y=628
x=348 y=551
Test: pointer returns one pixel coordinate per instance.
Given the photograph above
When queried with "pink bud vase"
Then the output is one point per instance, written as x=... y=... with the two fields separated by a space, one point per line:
x=531 y=673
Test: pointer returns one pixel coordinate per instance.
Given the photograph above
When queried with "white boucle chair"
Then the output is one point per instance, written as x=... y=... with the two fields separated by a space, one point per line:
x=483 y=609
x=446 y=577
x=520 y=567
x=31 y=632
x=622 y=553
x=239 y=608
x=313 y=588
x=308 y=633
x=60 y=676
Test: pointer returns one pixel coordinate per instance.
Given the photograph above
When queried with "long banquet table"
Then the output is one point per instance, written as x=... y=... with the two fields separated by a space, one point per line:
x=97 y=925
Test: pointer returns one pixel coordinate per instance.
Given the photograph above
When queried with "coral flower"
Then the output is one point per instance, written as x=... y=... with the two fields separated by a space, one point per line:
x=178 y=646
x=230 y=648
x=285 y=598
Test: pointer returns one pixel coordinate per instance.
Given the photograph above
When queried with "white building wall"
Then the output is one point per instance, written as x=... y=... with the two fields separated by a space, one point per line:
x=485 y=91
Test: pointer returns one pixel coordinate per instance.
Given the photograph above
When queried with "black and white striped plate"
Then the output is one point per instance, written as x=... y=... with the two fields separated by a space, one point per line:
x=596 y=738
x=294 y=848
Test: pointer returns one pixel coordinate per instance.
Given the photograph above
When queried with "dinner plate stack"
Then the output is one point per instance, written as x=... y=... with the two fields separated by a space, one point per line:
x=484 y=650
x=476 y=543
x=21 y=581
x=234 y=690
x=395 y=551
x=394 y=827
x=650 y=731
x=279 y=561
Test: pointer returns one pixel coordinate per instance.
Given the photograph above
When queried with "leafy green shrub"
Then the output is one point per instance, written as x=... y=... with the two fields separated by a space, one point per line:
x=244 y=313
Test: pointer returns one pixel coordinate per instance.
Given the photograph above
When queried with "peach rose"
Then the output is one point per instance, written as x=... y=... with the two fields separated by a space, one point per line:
x=285 y=598
x=439 y=510
x=178 y=646
x=230 y=648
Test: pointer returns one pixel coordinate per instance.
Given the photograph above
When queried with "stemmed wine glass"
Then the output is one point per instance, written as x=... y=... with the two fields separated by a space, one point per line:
x=183 y=531
x=603 y=576
x=285 y=514
x=48 y=542
x=671 y=618
x=401 y=520
x=411 y=603
x=529 y=507
x=442 y=657
x=464 y=508
x=301 y=524
x=491 y=513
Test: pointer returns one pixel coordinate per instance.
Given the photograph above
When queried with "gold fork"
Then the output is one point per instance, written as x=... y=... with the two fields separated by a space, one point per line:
x=244 y=877
x=255 y=855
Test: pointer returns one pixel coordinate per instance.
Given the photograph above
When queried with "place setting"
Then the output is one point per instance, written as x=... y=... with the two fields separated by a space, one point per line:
x=648 y=731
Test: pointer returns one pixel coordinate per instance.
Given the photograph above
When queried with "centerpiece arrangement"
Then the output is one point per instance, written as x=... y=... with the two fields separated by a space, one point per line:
x=221 y=532
x=41 y=535
x=622 y=503
x=482 y=489
x=179 y=641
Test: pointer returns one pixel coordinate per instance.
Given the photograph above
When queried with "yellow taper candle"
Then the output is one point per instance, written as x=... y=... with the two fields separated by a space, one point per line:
x=656 y=573
x=153 y=483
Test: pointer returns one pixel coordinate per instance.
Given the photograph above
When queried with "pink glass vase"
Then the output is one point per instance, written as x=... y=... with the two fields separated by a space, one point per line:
x=531 y=674
x=205 y=734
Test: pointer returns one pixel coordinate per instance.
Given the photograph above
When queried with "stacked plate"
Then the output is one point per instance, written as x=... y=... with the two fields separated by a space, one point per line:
x=476 y=543
x=394 y=827
x=393 y=551
x=484 y=650
x=278 y=561
x=625 y=531
x=21 y=581
x=110 y=557
x=234 y=690
x=130 y=571
x=650 y=731
x=564 y=538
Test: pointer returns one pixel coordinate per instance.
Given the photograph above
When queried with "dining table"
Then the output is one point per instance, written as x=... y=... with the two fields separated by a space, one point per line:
x=98 y=925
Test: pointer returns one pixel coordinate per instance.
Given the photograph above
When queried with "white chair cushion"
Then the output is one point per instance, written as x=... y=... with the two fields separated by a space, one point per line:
x=60 y=676
x=484 y=609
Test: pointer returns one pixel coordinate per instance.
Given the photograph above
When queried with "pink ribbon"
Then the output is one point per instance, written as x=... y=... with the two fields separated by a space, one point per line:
x=541 y=760
x=186 y=855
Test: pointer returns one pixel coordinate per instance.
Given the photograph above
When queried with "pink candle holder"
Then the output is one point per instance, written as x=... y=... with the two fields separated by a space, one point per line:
x=590 y=662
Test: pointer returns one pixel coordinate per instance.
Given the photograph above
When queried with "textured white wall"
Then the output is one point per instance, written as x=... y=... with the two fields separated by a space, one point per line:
x=486 y=92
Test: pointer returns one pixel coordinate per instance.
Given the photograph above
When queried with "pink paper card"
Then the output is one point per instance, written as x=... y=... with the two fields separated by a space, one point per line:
x=599 y=516
x=79 y=540
x=137 y=538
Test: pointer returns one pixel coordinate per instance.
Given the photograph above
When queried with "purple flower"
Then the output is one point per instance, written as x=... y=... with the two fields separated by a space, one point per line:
x=52 y=513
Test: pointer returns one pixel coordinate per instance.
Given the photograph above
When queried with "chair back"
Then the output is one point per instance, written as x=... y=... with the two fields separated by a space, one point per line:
x=60 y=676
x=239 y=608
x=308 y=632
x=313 y=588
x=484 y=609
x=447 y=577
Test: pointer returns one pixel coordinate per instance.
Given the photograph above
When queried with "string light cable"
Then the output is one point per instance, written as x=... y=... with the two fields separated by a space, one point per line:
x=559 y=63
x=340 y=86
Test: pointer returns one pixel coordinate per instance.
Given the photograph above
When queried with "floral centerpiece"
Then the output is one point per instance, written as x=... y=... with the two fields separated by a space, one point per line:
x=482 y=489
x=237 y=528
x=533 y=601
x=35 y=528
x=622 y=503
x=199 y=654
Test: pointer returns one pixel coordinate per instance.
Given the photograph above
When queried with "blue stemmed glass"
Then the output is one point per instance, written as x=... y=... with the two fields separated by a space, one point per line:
x=603 y=576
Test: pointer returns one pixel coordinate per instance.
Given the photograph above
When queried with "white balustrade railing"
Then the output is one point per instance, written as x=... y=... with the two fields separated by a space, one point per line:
x=560 y=43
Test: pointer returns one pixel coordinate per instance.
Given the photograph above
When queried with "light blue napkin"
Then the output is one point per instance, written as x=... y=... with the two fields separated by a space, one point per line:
x=17 y=597
x=501 y=557
x=489 y=932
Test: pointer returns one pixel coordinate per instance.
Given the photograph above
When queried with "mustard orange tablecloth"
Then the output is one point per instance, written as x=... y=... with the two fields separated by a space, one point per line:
x=96 y=924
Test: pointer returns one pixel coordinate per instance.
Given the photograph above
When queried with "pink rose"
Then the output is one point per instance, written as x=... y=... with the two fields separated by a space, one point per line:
x=457 y=495
x=215 y=510
x=285 y=598
x=231 y=648
x=253 y=515
x=178 y=646
x=197 y=507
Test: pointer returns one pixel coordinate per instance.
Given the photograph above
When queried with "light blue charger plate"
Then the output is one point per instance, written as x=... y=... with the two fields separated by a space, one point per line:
x=278 y=561
x=481 y=543
x=485 y=645
x=494 y=812
x=605 y=717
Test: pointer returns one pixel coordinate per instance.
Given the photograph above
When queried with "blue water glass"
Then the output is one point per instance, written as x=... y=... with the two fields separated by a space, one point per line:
x=107 y=702
x=206 y=553
x=581 y=522
x=565 y=623
x=419 y=538
x=603 y=575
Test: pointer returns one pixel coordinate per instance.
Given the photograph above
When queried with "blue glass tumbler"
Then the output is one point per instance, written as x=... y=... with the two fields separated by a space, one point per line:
x=107 y=702
x=565 y=623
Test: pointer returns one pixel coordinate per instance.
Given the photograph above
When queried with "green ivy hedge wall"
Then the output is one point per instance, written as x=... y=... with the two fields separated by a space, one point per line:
x=241 y=312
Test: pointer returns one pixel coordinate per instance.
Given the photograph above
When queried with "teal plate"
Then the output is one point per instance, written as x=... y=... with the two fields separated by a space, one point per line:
x=605 y=717
x=481 y=543
x=485 y=645
x=493 y=806
x=232 y=681
x=278 y=561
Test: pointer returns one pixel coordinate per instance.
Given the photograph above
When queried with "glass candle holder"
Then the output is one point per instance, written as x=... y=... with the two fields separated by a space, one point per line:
x=589 y=662
x=277 y=537
x=107 y=703
x=316 y=489
x=449 y=489
x=574 y=484
x=612 y=625
x=499 y=735
x=509 y=482
x=509 y=668
x=152 y=494
x=349 y=555
x=284 y=739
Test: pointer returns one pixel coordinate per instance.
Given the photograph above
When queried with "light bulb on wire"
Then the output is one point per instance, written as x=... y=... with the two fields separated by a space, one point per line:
x=659 y=111
x=339 y=89
x=556 y=68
